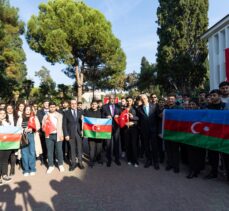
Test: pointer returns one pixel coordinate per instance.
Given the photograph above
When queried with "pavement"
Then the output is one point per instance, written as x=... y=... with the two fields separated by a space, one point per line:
x=116 y=188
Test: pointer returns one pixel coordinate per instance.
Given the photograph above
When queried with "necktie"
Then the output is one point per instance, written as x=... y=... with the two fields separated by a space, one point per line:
x=112 y=109
x=146 y=112
x=74 y=114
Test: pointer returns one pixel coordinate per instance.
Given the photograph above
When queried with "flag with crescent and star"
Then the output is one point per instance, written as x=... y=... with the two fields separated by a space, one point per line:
x=32 y=122
x=122 y=119
x=10 y=137
x=97 y=128
x=207 y=129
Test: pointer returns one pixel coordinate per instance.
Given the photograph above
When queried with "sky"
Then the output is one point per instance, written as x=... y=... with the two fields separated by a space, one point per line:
x=133 y=22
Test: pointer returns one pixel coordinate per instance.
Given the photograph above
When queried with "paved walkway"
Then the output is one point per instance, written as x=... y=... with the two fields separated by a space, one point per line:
x=116 y=188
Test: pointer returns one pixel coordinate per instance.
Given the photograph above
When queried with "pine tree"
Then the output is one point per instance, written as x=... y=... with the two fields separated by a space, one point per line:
x=182 y=55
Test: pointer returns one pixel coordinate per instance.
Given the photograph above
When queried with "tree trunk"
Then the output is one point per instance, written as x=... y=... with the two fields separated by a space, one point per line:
x=79 y=80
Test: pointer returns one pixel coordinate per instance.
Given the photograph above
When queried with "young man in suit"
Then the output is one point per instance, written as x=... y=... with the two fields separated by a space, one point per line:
x=72 y=125
x=148 y=120
x=111 y=110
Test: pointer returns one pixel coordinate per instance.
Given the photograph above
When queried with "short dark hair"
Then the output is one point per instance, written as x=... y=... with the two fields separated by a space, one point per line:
x=194 y=100
x=172 y=95
x=224 y=83
x=79 y=103
x=94 y=101
x=52 y=103
x=99 y=101
x=129 y=97
x=215 y=91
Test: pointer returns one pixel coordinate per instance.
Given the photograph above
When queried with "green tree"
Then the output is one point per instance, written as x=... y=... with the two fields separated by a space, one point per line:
x=182 y=55
x=47 y=85
x=12 y=56
x=72 y=33
x=147 y=76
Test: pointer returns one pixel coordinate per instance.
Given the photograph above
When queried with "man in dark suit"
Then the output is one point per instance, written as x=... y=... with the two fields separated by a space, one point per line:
x=148 y=120
x=111 y=110
x=40 y=114
x=72 y=126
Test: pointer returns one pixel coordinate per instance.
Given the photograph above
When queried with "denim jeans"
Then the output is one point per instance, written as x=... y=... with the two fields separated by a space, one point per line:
x=29 y=155
x=52 y=143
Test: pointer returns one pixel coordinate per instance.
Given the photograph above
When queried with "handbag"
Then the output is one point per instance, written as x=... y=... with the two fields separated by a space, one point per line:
x=24 y=140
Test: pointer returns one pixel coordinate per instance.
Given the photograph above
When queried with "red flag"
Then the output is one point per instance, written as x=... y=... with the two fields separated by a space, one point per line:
x=48 y=127
x=31 y=122
x=227 y=63
x=122 y=119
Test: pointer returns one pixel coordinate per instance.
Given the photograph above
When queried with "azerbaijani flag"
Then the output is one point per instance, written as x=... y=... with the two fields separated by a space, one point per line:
x=97 y=128
x=202 y=128
x=10 y=137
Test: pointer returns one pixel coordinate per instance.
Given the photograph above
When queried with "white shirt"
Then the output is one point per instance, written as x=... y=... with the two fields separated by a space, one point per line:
x=54 y=120
x=11 y=119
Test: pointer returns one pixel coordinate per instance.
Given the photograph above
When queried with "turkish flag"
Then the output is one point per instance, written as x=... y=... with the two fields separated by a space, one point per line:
x=48 y=127
x=123 y=118
x=227 y=63
x=31 y=122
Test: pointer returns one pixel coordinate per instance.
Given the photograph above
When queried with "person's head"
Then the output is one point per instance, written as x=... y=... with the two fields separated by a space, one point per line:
x=46 y=104
x=35 y=107
x=130 y=101
x=112 y=99
x=224 y=88
x=215 y=96
x=202 y=96
x=100 y=103
x=193 y=104
x=186 y=105
x=145 y=100
x=186 y=97
x=138 y=101
x=2 y=114
x=21 y=107
x=208 y=98
x=94 y=105
x=2 y=105
x=65 y=104
x=52 y=107
x=9 y=109
x=161 y=102
x=171 y=100
x=73 y=104
x=123 y=101
x=27 y=111
x=153 y=98
x=79 y=105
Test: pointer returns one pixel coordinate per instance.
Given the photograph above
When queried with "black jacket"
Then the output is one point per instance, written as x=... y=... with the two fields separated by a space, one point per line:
x=71 y=127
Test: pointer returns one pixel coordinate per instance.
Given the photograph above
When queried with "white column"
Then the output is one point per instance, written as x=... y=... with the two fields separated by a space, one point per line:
x=211 y=60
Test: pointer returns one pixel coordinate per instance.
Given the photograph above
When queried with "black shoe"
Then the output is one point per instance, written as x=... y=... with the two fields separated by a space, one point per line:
x=117 y=162
x=109 y=163
x=148 y=164
x=210 y=176
x=176 y=170
x=81 y=166
x=191 y=175
x=100 y=162
x=168 y=168
x=72 y=167
x=156 y=166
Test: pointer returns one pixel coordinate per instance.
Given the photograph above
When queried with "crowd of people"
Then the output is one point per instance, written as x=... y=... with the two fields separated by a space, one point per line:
x=140 y=139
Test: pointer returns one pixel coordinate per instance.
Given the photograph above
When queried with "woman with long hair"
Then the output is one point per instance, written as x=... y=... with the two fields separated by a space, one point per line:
x=30 y=124
x=4 y=154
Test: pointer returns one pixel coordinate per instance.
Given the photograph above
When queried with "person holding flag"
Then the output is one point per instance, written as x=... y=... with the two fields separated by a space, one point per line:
x=112 y=111
x=4 y=152
x=30 y=125
x=131 y=133
x=95 y=145
x=52 y=127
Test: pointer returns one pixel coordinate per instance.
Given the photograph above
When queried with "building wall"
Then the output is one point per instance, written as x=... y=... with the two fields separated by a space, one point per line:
x=217 y=44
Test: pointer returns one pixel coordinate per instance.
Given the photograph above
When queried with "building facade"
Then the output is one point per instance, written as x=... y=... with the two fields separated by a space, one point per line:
x=218 y=47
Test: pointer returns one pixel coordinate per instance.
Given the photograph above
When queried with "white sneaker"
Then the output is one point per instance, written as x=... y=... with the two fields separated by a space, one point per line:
x=129 y=163
x=123 y=155
x=26 y=174
x=32 y=173
x=136 y=165
x=61 y=168
x=50 y=170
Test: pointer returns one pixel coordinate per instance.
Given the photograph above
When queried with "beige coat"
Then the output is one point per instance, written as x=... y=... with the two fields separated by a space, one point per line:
x=59 y=129
x=37 y=140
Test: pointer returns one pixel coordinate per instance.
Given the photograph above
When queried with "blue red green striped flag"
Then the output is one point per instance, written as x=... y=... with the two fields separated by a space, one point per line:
x=202 y=128
x=10 y=137
x=97 y=128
